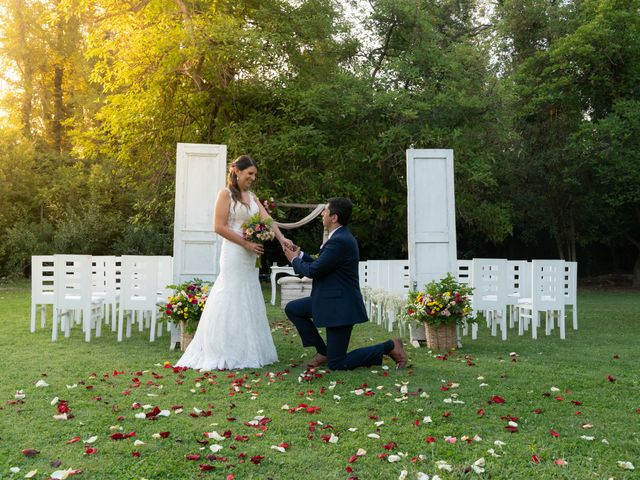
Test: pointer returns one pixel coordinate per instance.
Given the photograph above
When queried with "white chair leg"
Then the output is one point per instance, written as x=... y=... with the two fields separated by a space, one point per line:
x=120 y=324
x=561 y=324
x=114 y=317
x=494 y=322
x=33 y=318
x=130 y=319
x=99 y=318
x=534 y=323
x=503 y=324
x=54 y=326
x=152 y=333
x=86 y=323
x=574 y=311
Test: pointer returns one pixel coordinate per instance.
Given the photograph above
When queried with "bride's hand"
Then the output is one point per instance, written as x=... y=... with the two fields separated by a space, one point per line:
x=255 y=248
x=287 y=244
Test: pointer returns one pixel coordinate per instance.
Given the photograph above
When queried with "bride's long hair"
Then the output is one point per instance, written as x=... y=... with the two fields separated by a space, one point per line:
x=241 y=163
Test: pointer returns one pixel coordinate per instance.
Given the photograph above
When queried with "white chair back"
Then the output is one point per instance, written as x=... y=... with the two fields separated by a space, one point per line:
x=165 y=277
x=138 y=291
x=490 y=294
x=570 y=281
x=42 y=287
x=465 y=272
x=73 y=291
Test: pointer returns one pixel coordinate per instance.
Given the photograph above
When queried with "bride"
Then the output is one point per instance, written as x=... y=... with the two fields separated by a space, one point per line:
x=233 y=331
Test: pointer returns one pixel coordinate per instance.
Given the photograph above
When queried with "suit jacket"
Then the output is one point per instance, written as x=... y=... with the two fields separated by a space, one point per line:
x=335 y=293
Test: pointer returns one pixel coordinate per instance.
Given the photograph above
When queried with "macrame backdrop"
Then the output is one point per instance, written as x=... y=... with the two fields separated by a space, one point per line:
x=316 y=211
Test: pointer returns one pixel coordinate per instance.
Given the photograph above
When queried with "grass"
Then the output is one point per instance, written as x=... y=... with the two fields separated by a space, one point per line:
x=582 y=368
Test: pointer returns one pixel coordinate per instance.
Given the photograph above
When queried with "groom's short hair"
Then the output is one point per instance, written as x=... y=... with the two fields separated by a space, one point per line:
x=341 y=207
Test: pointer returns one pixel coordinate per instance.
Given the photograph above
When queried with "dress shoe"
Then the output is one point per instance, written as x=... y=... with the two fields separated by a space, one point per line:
x=317 y=360
x=398 y=354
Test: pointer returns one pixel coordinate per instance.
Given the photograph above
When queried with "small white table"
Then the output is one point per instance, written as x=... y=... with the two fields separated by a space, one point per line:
x=274 y=271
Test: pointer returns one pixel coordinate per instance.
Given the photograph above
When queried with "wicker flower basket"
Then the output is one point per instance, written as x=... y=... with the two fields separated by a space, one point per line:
x=442 y=337
x=185 y=338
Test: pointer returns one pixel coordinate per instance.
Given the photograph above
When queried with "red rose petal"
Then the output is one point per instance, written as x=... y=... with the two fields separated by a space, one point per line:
x=553 y=433
x=193 y=456
x=73 y=440
x=30 y=452
x=535 y=459
x=206 y=468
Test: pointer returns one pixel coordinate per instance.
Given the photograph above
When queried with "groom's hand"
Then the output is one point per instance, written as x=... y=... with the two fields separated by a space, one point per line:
x=291 y=253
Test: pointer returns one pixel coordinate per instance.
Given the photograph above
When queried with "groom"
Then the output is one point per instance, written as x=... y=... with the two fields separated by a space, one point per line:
x=335 y=302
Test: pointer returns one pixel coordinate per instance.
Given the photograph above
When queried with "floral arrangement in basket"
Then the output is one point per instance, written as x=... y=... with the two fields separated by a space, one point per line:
x=444 y=302
x=187 y=303
x=258 y=230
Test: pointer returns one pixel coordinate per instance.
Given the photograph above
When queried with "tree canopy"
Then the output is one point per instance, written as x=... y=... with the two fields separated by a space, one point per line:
x=538 y=99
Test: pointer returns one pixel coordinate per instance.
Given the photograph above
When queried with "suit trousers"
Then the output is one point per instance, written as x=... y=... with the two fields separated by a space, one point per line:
x=335 y=349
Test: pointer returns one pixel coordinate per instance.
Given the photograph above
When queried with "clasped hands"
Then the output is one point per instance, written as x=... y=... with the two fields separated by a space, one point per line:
x=290 y=249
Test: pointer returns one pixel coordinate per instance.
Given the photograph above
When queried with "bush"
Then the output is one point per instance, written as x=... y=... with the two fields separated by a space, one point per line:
x=20 y=243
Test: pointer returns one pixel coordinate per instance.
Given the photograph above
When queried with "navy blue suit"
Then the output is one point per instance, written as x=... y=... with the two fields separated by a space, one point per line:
x=335 y=303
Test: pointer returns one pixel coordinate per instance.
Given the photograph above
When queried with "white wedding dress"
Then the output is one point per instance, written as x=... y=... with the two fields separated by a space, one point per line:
x=233 y=331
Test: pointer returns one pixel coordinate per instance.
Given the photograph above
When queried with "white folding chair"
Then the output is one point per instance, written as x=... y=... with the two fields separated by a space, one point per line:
x=518 y=286
x=490 y=292
x=73 y=299
x=397 y=286
x=105 y=285
x=165 y=278
x=465 y=271
x=547 y=296
x=138 y=293
x=570 y=281
x=42 y=287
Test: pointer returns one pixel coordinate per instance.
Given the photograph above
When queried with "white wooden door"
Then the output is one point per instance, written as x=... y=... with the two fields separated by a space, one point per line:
x=200 y=173
x=431 y=218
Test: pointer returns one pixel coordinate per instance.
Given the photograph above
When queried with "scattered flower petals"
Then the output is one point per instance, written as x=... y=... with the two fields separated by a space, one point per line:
x=443 y=465
x=626 y=465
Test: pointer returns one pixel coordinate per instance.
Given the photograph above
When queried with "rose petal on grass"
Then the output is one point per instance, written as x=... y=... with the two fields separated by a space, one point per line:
x=41 y=384
x=30 y=452
x=626 y=465
x=553 y=433
x=73 y=440
x=535 y=458
x=497 y=399
x=31 y=474
x=394 y=458
x=560 y=462
x=443 y=465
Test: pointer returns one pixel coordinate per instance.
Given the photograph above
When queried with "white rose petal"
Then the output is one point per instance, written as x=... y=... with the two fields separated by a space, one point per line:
x=373 y=435
x=39 y=384
x=394 y=458
x=31 y=474
x=216 y=436
x=587 y=438
x=14 y=469
x=215 y=448
x=62 y=416
x=90 y=440
x=554 y=389
x=353 y=429
x=337 y=397
x=137 y=443
x=380 y=423
x=284 y=407
x=605 y=441
x=443 y=465
x=140 y=415
x=164 y=413
x=481 y=462
x=424 y=395
x=484 y=385
x=499 y=443
x=422 y=476
x=626 y=465
x=513 y=424
x=278 y=448
x=361 y=452
x=403 y=475
x=20 y=395
x=427 y=420
x=493 y=453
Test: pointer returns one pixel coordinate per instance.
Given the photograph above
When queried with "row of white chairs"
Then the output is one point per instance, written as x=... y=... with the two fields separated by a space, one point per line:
x=522 y=292
x=97 y=289
x=505 y=292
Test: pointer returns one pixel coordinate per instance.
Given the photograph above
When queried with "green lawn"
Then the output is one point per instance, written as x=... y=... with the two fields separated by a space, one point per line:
x=576 y=400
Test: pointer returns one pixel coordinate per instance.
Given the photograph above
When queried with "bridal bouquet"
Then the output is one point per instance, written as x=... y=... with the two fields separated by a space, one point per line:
x=187 y=303
x=258 y=230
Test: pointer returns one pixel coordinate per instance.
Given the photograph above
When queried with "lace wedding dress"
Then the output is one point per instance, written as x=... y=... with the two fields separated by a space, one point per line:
x=233 y=331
